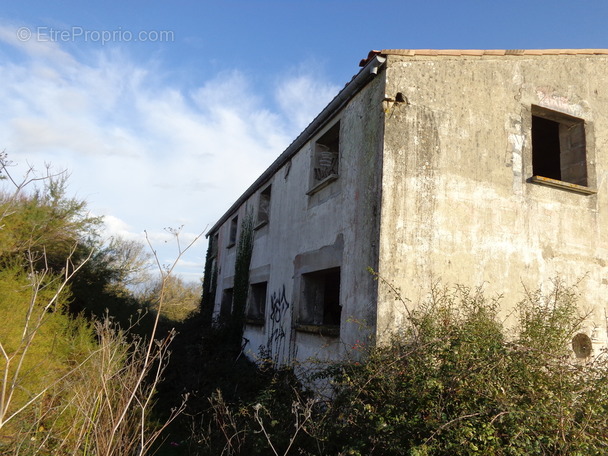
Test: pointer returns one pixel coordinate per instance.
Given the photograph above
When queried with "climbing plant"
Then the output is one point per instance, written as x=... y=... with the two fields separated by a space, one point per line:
x=241 y=277
x=209 y=283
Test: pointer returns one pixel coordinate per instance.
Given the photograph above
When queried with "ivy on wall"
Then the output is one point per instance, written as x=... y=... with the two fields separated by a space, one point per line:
x=241 y=277
x=209 y=283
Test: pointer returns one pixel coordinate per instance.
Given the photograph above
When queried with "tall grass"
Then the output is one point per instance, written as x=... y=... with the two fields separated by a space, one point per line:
x=69 y=386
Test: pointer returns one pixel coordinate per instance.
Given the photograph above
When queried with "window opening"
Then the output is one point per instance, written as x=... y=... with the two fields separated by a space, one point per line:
x=234 y=225
x=321 y=298
x=256 y=310
x=215 y=240
x=558 y=147
x=582 y=345
x=226 y=304
x=264 y=205
x=327 y=154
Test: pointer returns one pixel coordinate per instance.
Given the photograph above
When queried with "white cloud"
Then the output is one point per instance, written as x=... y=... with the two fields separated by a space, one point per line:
x=140 y=149
x=303 y=96
x=116 y=227
x=26 y=39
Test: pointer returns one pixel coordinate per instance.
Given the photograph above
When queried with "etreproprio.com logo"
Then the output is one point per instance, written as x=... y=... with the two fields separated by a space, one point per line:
x=78 y=33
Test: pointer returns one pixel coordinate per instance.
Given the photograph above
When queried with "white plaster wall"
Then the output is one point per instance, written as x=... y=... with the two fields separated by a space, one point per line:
x=300 y=223
x=456 y=203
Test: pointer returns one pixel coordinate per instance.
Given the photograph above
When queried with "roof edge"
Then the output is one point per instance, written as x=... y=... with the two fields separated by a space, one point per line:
x=480 y=52
x=369 y=70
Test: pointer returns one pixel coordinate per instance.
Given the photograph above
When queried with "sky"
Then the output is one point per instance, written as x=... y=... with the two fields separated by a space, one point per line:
x=163 y=113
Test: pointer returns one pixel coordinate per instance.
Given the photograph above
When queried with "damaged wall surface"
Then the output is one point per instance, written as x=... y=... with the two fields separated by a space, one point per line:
x=483 y=168
x=462 y=201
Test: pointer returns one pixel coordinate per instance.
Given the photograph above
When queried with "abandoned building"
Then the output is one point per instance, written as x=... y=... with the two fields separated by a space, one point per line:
x=470 y=167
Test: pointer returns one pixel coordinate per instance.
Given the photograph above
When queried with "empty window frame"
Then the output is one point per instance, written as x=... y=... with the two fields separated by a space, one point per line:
x=234 y=226
x=559 y=147
x=226 y=304
x=256 y=307
x=214 y=240
x=326 y=157
x=264 y=206
x=320 y=300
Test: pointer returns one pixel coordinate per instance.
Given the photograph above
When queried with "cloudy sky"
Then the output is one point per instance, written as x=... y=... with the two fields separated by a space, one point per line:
x=164 y=112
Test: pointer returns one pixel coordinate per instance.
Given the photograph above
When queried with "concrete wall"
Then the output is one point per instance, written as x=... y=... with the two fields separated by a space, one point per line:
x=335 y=226
x=457 y=201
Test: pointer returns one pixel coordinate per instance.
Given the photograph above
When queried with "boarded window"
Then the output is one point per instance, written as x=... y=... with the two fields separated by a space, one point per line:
x=558 y=146
x=320 y=300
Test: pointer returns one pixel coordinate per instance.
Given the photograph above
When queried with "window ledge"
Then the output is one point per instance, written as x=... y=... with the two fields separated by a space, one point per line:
x=321 y=330
x=254 y=321
x=232 y=244
x=322 y=184
x=563 y=185
x=261 y=224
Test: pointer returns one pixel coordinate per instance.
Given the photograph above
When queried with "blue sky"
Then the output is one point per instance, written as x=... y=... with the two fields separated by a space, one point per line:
x=169 y=130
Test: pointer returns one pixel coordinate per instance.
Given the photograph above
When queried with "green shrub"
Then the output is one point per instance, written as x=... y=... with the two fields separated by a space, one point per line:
x=68 y=385
x=458 y=382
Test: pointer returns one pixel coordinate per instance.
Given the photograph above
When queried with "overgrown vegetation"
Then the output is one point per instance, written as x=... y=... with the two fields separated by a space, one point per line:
x=459 y=382
x=456 y=381
x=241 y=278
x=72 y=385
x=209 y=284
x=80 y=380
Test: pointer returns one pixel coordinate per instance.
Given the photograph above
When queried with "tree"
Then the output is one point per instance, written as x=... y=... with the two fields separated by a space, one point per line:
x=181 y=298
x=40 y=253
x=69 y=386
x=44 y=225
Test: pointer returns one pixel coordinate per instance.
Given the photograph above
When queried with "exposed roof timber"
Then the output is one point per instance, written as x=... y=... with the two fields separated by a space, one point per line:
x=344 y=96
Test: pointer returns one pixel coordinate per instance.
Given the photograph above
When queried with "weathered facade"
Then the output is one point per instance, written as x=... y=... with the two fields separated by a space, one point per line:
x=472 y=167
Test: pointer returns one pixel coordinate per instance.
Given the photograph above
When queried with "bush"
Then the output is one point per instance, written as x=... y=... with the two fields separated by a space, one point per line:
x=69 y=386
x=228 y=391
x=458 y=382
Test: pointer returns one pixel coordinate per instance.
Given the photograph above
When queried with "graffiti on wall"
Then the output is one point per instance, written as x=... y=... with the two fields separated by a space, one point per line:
x=277 y=345
x=278 y=305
